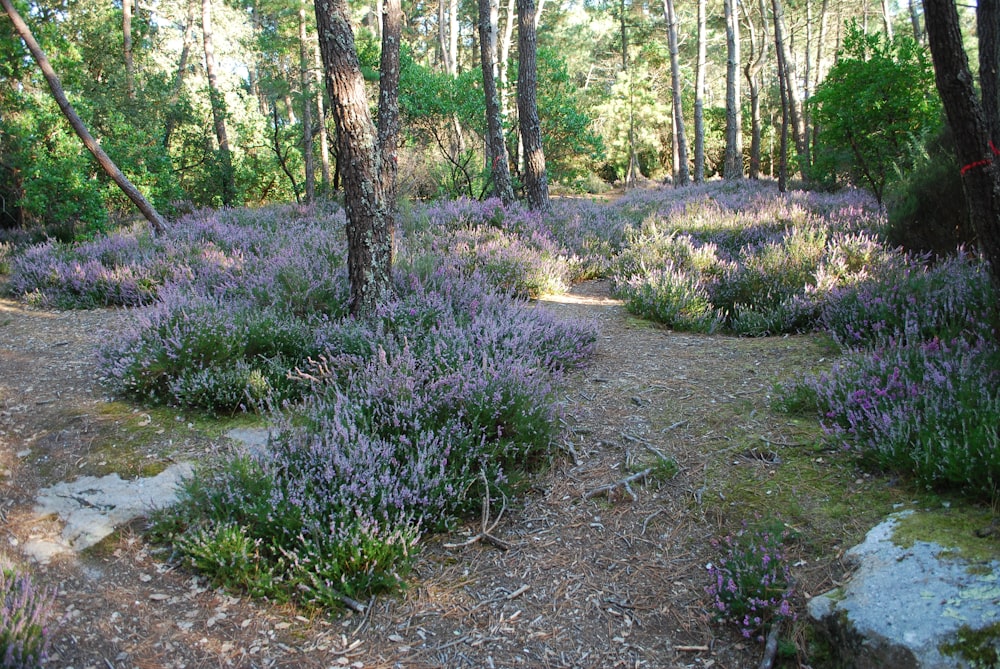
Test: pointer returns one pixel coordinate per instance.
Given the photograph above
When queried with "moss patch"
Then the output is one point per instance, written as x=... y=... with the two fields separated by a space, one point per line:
x=955 y=530
x=980 y=648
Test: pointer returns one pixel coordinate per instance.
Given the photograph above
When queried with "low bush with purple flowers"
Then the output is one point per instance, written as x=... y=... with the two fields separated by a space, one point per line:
x=751 y=582
x=25 y=611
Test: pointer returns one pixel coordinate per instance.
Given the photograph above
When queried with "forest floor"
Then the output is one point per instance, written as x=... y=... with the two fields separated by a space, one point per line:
x=580 y=578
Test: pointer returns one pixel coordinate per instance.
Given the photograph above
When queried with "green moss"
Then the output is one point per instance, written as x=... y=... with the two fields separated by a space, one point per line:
x=979 y=647
x=954 y=529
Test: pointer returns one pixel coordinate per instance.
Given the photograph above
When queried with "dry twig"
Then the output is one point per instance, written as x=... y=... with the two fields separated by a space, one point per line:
x=623 y=483
x=487 y=529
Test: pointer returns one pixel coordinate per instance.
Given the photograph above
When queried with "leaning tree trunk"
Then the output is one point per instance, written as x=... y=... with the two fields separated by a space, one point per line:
x=536 y=187
x=981 y=171
x=496 y=148
x=95 y=149
x=369 y=211
x=681 y=174
x=783 y=87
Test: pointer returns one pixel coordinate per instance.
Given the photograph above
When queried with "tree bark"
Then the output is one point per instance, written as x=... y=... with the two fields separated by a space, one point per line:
x=369 y=213
x=536 y=187
x=388 y=103
x=154 y=218
x=218 y=107
x=785 y=101
x=699 y=97
x=506 y=40
x=496 y=147
x=305 y=78
x=733 y=165
x=980 y=171
x=324 y=142
x=752 y=72
x=681 y=174
x=918 y=33
x=988 y=31
x=887 y=20
x=793 y=108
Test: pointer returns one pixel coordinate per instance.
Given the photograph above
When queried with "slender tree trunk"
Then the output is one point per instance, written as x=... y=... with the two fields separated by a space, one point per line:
x=918 y=33
x=632 y=172
x=154 y=218
x=680 y=171
x=818 y=70
x=536 y=187
x=506 y=40
x=388 y=105
x=182 y=65
x=733 y=166
x=127 y=48
x=752 y=71
x=887 y=19
x=794 y=107
x=305 y=77
x=496 y=148
x=453 y=37
x=969 y=125
x=218 y=107
x=699 y=97
x=369 y=213
x=324 y=142
x=785 y=98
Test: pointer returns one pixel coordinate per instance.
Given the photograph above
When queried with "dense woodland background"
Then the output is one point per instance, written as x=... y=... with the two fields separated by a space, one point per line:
x=160 y=85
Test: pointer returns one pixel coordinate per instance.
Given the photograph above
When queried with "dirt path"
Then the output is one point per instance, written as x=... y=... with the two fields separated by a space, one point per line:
x=601 y=582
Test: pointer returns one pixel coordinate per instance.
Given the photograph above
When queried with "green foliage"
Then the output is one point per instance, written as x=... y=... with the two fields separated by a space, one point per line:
x=873 y=109
x=927 y=208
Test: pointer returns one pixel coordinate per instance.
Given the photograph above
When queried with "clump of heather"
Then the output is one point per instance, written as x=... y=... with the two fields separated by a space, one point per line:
x=510 y=247
x=759 y=261
x=209 y=353
x=451 y=401
x=751 y=581
x=929 y=409
x=914 y=301
x=25 y=610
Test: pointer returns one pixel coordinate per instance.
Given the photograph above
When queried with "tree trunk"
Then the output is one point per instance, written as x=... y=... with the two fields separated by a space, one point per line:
x=506 y=40
x=175 y=95
x=536 y=187
x=887 y=19
x=632 y=172
x=793 y=108
x=305 y=77
x=699 y=97
x=752 y=70
x=733 y=166
x=680 y=171
x=918 y=33
x=324 y=142
x=154 y=218
x=981 y=171
x=785 y=101
x=369 y=213
x=218 y=107
x=496 y=148
x=818 y=70
x=127 y=48
x=388 y=104
x=988 y=31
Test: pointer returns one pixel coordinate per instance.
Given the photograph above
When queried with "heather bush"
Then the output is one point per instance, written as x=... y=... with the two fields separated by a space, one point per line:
x=25 y=610
x=914 y=301
x=751 y=581
x=410 y=419
x=675 y=298
x=209 y=353
x=928 y=409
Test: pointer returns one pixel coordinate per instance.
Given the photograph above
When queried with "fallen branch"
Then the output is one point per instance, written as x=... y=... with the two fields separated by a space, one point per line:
x=771 y=647
x=691 y=649
x=487 y=529
x=624 y=483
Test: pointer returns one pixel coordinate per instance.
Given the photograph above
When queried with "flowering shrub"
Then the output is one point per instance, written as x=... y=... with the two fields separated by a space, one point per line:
x=912 y=302
x=448 y=399
x=24 y=613
x=751 y=581
x=929 y=409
